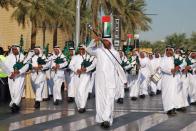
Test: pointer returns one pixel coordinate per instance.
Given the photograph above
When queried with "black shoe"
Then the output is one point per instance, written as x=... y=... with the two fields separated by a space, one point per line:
x=193 y=103
x=126 y=89
x=183 y=109
x=15 y=108
x=56 y=102
x=70 y=99
x=133 y=98
x=158 y=92
x=60 y=101
x=120 y=100
x=171 y=112
x=142 y=96
x=105 y=124
x=82 y=110
x=37 y=104
x=46 y=99
x=89 y=95
x=152 y=94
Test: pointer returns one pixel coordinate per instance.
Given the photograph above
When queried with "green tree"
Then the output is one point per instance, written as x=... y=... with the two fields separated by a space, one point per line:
x=35 y=11
x=64 y=17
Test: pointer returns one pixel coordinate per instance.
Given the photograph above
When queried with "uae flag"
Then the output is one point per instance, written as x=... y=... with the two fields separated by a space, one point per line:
x=106 y=22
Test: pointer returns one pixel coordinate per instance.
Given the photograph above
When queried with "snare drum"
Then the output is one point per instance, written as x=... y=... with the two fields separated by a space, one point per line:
x=155 y=78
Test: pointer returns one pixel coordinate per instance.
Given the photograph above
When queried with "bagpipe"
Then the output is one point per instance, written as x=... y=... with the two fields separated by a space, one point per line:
x=59 y=60
x=134 y=66
x=18 y=65
x=177 y=63
x=41 y=61
x=189 y=63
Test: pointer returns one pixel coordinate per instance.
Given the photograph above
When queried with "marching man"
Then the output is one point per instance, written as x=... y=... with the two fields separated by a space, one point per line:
x=69 y=74
x=171 y=96
x=14 y=62
x=58 y=67
x=108 y=72
x=190 y=71
x=38 y=75
x=81 y=66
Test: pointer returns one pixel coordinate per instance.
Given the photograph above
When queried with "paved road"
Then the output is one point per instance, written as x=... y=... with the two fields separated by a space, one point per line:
x=140 y=115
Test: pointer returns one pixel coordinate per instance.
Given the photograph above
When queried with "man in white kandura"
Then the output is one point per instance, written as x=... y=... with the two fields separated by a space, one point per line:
x=171 y=96
x=108 y=72
x=14 y=62
x=190 y=71
x=38 y=74
x=155 y=65
x=70 y=79
x=81 y=67
x=58 y=67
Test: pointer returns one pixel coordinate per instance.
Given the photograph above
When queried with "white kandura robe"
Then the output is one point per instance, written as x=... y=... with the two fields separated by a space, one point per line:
x=141 y=85
x=70 y=79
x=81 y=82
x=171 y=89
x=38 y=79
x=108 y=71
x=132 y=79
x=16 y=86
x=58 y=77
x=92 y=74
x=192 y=84
x=120 y=92
x=50 y=83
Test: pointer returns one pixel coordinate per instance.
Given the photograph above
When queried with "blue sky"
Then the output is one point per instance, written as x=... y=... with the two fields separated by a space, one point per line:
x=173 y=16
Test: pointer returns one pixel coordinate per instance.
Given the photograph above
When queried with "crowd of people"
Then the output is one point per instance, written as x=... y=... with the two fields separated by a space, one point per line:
x=101 y=70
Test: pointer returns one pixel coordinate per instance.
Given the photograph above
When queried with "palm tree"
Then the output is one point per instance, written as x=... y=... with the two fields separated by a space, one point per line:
x=86 y=17
x=132 y=14
x=64 y=17
x=178 y=40
x=5 y=3
x=34 y=10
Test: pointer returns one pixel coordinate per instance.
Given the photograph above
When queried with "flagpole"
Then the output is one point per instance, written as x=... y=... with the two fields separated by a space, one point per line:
x=77 y=23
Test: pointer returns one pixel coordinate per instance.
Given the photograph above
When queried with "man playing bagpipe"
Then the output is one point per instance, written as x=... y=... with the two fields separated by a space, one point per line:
x=14 y=63
x=171 y=89
x=178 y=62
x=48 y=76
x=126 y=66
x=133 y=74
x=81 y=66
x=58 y=67
x=69 y=74
x=190 y=71
x=38 y=75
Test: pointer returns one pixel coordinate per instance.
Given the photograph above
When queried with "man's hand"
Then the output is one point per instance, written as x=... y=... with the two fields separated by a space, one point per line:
x=187 y=68
x=173 y=71
x=177 y=68
x=78 y=72
x=57 y=66
x=12 y=75
x=83 y=70
x=16 y=72
x=40 y=67
x=36 y=69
